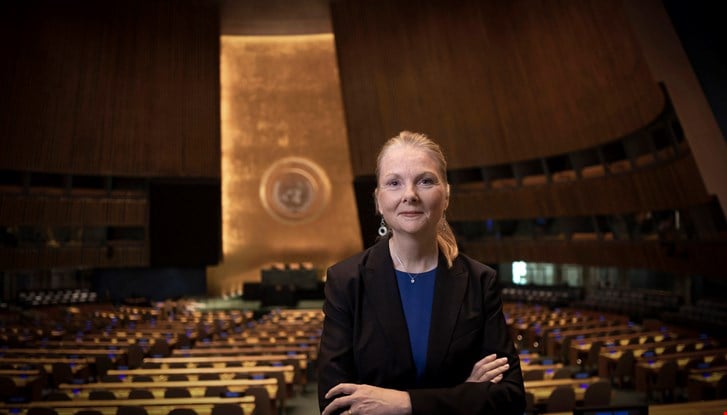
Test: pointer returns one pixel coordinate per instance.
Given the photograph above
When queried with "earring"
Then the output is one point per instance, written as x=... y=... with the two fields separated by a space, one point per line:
x=444 y=223
x=383 y=230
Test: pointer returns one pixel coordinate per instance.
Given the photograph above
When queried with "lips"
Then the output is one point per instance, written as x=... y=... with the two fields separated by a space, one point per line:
x=410 y=214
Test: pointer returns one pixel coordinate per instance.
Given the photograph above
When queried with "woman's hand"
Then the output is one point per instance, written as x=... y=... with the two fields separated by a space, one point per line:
x=367 y=399
x=489 y=369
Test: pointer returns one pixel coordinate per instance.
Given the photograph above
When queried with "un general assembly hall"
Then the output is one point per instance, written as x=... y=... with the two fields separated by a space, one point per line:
x=179 y=177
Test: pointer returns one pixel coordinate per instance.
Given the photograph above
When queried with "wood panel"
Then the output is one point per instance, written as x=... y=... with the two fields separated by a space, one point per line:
x=119 y=87
x=670 y=185
x=54 y=257
x=689 y=257
x=493 y=82
x=53 y=211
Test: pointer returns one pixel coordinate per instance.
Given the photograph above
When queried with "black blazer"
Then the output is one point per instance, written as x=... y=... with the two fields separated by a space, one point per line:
x=365 y=337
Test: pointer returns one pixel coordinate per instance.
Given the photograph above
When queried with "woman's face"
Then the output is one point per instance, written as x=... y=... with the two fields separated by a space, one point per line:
x=411 y=194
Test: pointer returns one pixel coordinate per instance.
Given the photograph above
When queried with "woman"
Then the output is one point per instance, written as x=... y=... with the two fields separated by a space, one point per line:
x=411 y=326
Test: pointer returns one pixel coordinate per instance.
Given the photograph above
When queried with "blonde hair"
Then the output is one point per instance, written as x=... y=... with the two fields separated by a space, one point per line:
x=445 y=237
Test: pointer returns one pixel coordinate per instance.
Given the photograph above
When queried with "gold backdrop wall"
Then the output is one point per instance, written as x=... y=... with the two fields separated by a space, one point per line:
x=287 y=193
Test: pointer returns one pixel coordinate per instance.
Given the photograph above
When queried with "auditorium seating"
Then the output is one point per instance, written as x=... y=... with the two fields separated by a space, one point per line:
x=112 y=352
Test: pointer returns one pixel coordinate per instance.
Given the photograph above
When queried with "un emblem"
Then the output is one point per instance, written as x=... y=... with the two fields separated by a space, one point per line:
x=294 y=190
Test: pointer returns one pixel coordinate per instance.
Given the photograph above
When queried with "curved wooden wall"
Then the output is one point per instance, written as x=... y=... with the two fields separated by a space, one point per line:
x=100 y=100
x=493 y=82
x=121 y=87
x=670 y=185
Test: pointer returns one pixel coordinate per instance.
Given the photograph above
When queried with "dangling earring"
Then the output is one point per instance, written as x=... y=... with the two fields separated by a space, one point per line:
x=383 y=230
x=444 y=223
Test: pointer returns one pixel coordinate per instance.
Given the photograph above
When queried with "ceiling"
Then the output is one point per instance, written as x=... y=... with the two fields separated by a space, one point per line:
x=274 y=17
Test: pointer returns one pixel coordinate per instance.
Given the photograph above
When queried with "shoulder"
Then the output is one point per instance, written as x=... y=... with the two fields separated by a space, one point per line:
x=371 y=257
x=473 y=267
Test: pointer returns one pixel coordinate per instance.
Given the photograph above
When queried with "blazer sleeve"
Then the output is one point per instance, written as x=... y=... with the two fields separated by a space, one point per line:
x=505 y=397
x=335 y=358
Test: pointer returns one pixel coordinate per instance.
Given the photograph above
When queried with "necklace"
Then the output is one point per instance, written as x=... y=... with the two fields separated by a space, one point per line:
x=412 y=278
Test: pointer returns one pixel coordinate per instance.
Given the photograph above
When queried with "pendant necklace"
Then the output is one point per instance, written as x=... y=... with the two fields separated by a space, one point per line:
x=412 y=278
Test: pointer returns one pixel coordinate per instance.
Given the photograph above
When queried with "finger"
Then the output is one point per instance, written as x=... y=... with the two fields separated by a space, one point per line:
x=496 y=379
x=341 y=389
x=338 y=404
x=481 y=366
x=496 y=364
x=487 y=359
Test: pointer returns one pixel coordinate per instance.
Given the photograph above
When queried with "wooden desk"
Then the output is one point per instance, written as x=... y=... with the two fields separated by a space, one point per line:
x=645 y=368
x=299 y=361
x=703 y=385
x=203 y=406
x=554 y=340
x=542 y=389
x=197 y=389
x=71 y=352
x=581 y=347
x=288 y=372
x=310 y=351
x=716 y=407
x=194 y=361
x=609 y=355
x=548 y=370
x=21 y=373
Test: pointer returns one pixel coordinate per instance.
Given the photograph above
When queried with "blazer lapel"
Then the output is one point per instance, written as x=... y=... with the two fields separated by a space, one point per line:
x=449 y=289
x=380 y=281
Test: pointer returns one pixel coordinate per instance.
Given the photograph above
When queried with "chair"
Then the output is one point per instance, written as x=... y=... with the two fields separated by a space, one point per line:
x=591 y=361
x=88 y=412
x=160 y=348
x=215 y=391
x=183 y=341
x=140 y=394
x=689 y=347
x=226 y=409
x=102 y=364
x=110 y=379
x=101 y=395
x=718 y=360
x=209 y=376
x=665 y=381
x=597 y=394
x=529 y=402
x=151 y=365
x=56 y=396
x=263 y=405
x=134 y=356
x=61 y=372
x=177 y=377
x=721 y=392
x=624 y=369
x=565 y=347
x=535 y=374
x=182 y=411
x=563 y=373
x=131 y=410
x=670 y=349
x=142 y=378
x=562 y=399
x=37 y=410
x=177 y=393
x=7 y=387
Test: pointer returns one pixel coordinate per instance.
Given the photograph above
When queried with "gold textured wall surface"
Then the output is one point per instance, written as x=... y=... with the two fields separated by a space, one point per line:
x=287 y=185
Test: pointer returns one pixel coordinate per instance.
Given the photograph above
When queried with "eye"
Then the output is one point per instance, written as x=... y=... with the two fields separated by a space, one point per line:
x=428 y=181
x=392 y=183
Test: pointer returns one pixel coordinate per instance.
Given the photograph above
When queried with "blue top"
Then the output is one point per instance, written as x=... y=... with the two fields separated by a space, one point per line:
x=417 y=300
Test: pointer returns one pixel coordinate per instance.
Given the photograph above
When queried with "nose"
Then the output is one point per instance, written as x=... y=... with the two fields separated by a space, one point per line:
x=410 y=193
